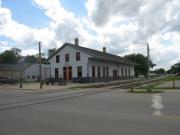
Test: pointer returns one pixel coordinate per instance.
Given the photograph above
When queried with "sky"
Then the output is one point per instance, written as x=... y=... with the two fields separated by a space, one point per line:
x=122 y=26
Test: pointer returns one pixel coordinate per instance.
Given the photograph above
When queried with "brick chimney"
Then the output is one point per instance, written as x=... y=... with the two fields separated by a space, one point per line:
x=104 y=49
x=76 y=41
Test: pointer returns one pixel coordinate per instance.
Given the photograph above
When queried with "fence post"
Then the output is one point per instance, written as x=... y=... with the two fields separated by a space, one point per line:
x=132 y=89
x=173 y=83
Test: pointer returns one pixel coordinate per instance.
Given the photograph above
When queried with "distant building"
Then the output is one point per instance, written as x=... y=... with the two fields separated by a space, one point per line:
x=81 y=64
x=30 y=72
x=12 y=70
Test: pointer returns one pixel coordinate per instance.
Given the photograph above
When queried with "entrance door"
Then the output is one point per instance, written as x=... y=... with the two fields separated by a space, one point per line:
x=64 y=73
x=70 y=75
x=67 y=73
x=56 y=73
x=114 y=74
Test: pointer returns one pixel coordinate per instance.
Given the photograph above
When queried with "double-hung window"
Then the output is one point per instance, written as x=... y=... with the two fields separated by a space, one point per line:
x=67 y=57
x=78 y=57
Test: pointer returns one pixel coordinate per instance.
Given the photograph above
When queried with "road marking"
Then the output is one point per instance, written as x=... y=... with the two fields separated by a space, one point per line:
x=172 y=117
x=157 y=104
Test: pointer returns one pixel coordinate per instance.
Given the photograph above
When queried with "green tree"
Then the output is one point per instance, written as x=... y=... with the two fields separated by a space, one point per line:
x=141 y=68
x=51 y=51
x=43 y=58
x=159 y=71
x=175 y=68
x=35 y=59
x=31 y=59
x=8 y=57
x=16 y=51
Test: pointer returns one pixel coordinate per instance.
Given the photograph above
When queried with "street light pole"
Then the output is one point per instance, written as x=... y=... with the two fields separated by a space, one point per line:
x=40 y=65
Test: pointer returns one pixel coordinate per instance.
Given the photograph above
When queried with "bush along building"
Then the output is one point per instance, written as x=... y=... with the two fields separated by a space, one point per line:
x=80 y=64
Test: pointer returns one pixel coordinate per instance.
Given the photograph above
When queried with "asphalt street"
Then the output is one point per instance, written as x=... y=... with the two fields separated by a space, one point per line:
x=107 y=113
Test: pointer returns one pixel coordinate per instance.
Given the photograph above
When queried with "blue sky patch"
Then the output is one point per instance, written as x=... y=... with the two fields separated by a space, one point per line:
x=167 y=42
x=24 y=12
x=75 y=6
x=3 y=38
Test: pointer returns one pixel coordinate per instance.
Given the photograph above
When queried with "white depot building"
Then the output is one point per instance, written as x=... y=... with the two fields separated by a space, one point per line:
x=80 y=64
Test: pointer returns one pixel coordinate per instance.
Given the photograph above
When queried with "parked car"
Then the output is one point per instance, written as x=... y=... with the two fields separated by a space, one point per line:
x=5 y=80
x=60 y=81
x=141 y=76
x=177 y=74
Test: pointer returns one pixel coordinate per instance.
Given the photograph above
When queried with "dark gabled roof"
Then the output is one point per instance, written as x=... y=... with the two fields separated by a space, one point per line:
x=42 y=65
x=98 y=55
x=13 y=67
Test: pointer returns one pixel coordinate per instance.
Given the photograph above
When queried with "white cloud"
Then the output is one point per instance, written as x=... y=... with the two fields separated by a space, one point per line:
x=9 y=27
x=30 y=51
x=65 y=24
x=101 y=11
x=168 y=54
x=130 y=25
x=122 y=26
x=54 y=10
x=62 y=23
x=21 y=34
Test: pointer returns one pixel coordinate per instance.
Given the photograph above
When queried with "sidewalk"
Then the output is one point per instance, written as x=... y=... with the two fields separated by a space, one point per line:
x=36 y=86
x=32 y=86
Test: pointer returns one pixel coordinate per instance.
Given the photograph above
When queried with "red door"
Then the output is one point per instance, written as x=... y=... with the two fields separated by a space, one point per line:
x=67 y=73
x=64 y=74
x=70 y=74
x=114 y=74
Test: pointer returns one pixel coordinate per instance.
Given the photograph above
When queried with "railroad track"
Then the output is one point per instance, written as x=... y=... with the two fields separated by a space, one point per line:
x=47 y=96
x=43 y=100
x=137 y=83
x=56 y=91
x=34 y=93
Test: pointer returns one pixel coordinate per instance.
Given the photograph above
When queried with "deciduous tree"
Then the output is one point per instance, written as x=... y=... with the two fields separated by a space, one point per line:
x=8 y=57
x=51 y=51
x=142 y=67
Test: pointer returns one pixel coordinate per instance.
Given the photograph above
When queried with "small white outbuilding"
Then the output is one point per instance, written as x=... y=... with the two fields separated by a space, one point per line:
x=32 y=72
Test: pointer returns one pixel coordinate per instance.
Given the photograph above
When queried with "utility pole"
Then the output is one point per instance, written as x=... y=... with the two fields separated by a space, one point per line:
x=20 y=79
x=40 y=65
x=148 y=64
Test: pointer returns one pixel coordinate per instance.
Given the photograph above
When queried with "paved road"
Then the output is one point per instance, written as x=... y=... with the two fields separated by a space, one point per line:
x=108 y=113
